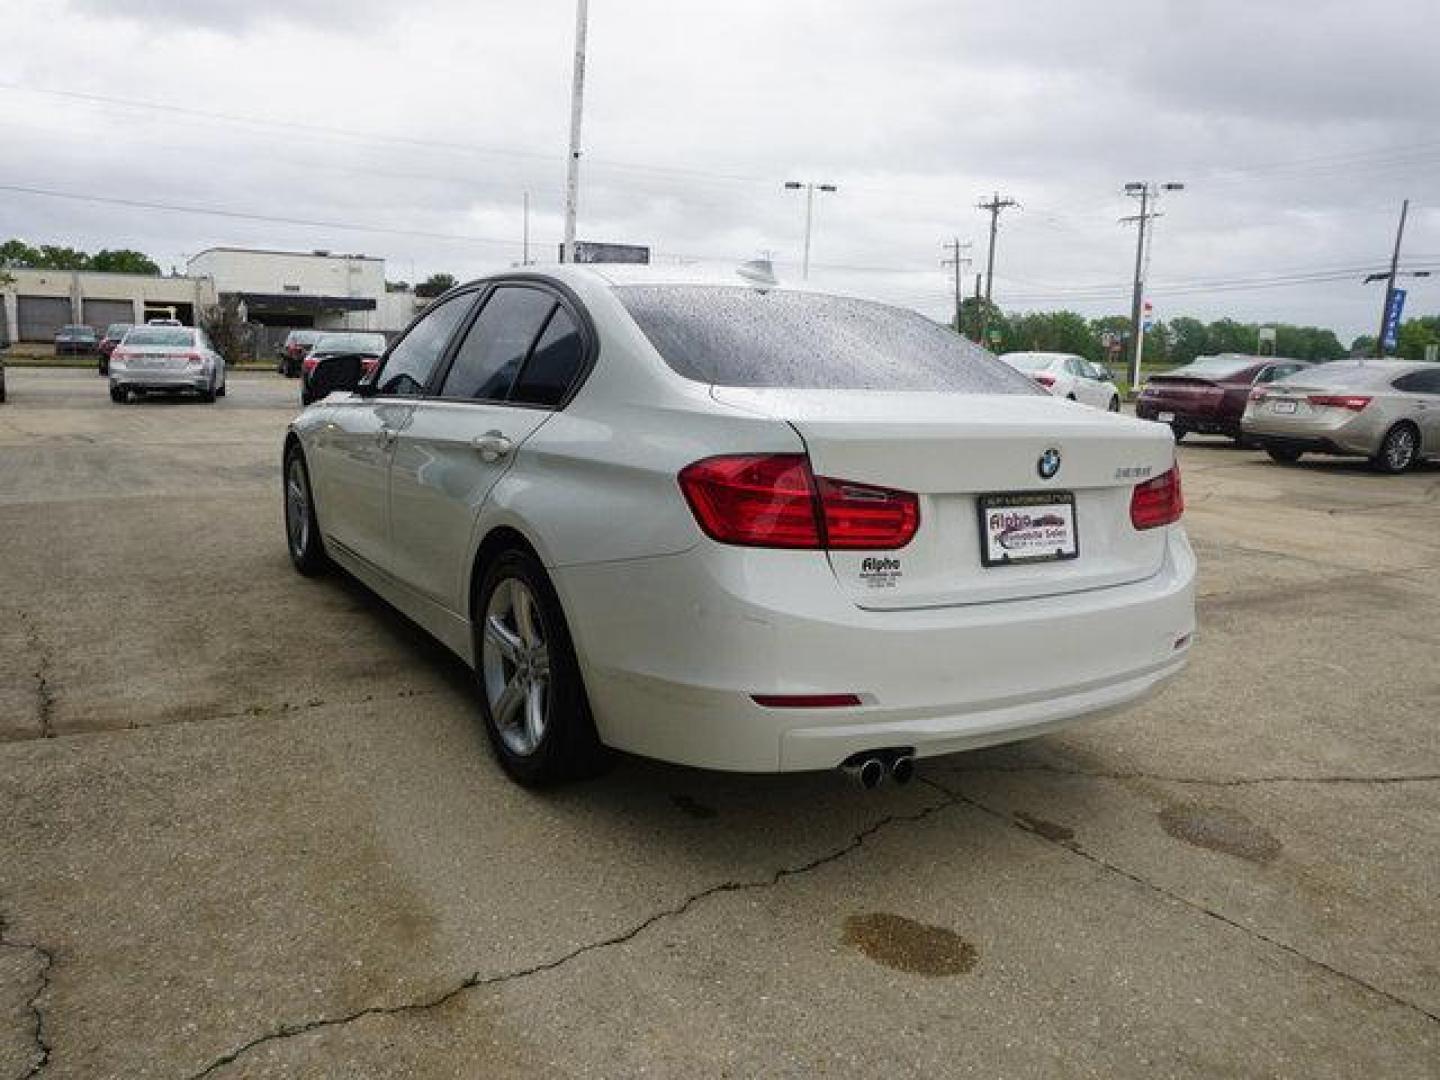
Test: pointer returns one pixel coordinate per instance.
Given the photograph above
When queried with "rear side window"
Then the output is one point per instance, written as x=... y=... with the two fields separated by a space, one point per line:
x=490 y=357
x=410 y=364
x=1419 y=382
x=554 y=364
x=740 y=336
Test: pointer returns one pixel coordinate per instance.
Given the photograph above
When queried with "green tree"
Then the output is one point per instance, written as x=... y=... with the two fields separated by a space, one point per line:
x=18 y=253
x=123 y=261
x=1188 y=339
x=53 y=257
x=1053 y=331
x=995 y=321
x=435 y=284
x=1415 y=334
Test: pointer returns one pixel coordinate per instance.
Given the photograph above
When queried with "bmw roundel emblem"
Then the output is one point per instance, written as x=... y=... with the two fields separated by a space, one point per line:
x=1049 y=464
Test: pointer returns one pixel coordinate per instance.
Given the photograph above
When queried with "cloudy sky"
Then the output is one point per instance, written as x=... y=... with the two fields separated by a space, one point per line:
x=412 y=130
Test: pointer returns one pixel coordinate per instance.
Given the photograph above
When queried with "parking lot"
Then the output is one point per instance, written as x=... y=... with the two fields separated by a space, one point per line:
x=250 y=827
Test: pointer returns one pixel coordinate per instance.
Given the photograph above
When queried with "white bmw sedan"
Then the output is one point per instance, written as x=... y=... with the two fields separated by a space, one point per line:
x=743 y=527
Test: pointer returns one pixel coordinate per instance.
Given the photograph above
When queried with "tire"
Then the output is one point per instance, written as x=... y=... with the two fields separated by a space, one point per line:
x=220 y=390
x=532 y=696
x=1399 y=450
x=1283 y=455
x=118 y=394
x=302 y=527
x=1114 y=405
x=1179 y=432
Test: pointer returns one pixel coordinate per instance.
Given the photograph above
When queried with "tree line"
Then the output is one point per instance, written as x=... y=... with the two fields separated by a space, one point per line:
x=17 y=253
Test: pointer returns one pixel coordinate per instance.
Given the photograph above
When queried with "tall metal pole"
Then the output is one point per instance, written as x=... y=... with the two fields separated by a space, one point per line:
x=1137 y=297
x=809 y=222
x=525 y=257
x=577 y=97
x=1390 y=280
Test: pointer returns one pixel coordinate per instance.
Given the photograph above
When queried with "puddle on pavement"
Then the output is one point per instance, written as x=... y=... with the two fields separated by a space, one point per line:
x=910 y=946
x=693 y=808
x=1217 y=828
x=1060 y=834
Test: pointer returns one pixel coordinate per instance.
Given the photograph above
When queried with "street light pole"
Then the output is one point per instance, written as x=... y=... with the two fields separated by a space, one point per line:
x=577 y=97
x=810 y=189
x=1149 y=195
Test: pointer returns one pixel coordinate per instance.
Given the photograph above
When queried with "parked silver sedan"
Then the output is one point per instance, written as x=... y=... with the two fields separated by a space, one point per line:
x=1385 y=410
x=166 y=358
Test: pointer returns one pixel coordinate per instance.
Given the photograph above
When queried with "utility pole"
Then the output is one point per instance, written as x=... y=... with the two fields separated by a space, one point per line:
x=994 y=208
x=979 y=313
x=577 y=97
x=959 y=262
x=525 y=231
x=1390 y=280
x=809 y=189
x=1149 y=195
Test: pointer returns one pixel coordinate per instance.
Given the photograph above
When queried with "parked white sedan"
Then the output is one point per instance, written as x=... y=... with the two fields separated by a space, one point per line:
x=742 y=527
x=1068 y=376
x=161 y=357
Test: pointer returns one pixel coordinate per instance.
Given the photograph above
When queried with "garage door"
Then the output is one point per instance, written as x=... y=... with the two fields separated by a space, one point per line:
x=101 y=313
x=41 y=316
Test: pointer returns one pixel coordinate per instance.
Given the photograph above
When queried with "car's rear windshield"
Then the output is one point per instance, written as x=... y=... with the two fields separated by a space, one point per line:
x=1029 y=361
x=741 y=336
x=305 y=337
x=116 y=329
x=1337 y=375
x=1212 y=367
x=160 y=335
x=351 y=343
x=76 y=330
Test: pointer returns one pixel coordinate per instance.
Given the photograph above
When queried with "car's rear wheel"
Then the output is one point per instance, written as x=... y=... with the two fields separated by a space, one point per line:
x=531 y=693
x=1114 y=404
x=1179 y=432
x=118 y=394
x=302 y=529
x=1284 y=455
x=1398 y=450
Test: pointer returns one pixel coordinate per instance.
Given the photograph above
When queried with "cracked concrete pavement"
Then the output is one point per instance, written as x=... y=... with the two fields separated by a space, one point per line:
x=248 y=826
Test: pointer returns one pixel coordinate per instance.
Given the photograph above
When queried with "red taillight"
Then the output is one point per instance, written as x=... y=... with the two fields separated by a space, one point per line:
x=1046 y=381
x=193 y=358
x=774 y=500
x=309 y=364
x=1353 y=402
x=1157 y=502
x=118 y=353
x=806 y=701
x=1257 y=394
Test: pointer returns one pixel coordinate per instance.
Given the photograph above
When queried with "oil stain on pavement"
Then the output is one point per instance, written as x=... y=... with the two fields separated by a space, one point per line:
x=910 y=946
x=1217 y=828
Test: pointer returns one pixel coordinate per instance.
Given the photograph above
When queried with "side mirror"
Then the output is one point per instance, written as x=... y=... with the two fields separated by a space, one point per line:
x=334 y=373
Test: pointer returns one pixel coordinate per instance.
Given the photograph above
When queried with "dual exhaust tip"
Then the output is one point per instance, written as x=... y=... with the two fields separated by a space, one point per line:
x=870 y=768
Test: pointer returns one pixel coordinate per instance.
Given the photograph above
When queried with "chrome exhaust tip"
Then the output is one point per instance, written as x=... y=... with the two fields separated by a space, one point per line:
x=902 y=769
x=868 y=772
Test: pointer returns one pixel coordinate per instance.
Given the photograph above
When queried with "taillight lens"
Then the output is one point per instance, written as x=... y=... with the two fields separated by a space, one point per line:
x=309 y=364
x=1353 y=402
x=118 y=353
x=1257 y=395
x=193 y=358
x=774 y=500
x=1046 y=381
x=1157 y=502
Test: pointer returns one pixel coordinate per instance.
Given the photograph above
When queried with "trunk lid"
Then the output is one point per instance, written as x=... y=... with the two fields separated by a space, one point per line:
x=952 y=449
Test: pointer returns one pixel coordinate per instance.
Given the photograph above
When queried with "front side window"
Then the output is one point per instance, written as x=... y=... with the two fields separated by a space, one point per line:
x=410 y=364
x=497 y=344
x=727 y=335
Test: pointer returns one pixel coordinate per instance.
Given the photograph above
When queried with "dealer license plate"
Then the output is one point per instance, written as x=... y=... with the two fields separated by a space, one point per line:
x=1165 y=417
x=1027 y=527
x=1282 y=406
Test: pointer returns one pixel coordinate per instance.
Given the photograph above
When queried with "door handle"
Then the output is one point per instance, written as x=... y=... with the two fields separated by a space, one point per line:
x=493 y=445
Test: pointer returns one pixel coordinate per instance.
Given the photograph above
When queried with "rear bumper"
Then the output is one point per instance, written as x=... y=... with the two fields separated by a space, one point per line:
x=674 y=648
x=1206 y=422
x=130 y=379
x=1357 y=438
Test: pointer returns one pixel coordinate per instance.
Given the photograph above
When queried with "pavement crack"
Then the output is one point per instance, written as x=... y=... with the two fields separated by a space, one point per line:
x=1214 y=781
x=1074 y=848
x=44 y=693
x=479 y=980
x=40 y=1056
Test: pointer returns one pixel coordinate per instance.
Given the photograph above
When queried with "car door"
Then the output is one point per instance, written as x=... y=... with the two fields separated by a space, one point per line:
x=352 y=449
x=1081 y=386
x=1422 y=390
x=459 y=442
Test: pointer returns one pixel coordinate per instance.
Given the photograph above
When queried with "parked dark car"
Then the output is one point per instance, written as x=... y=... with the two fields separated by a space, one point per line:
x=76 y=340
x=367 y=347
x=296 y=348
x=1208 y=395
x=3 y=346
x=113 y=333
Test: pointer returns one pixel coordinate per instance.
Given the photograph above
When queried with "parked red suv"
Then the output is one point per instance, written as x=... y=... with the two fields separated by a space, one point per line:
x=113 y=333
x=1208 y=395
x=296 y=348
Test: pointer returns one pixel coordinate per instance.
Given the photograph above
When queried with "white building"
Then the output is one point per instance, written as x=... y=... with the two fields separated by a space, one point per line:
x=307 y=289
x=38 y=302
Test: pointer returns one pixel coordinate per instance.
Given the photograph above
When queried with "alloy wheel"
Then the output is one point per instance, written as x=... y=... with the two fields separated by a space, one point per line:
x=515 y=662
x=1400 y=449
x=297 y=507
